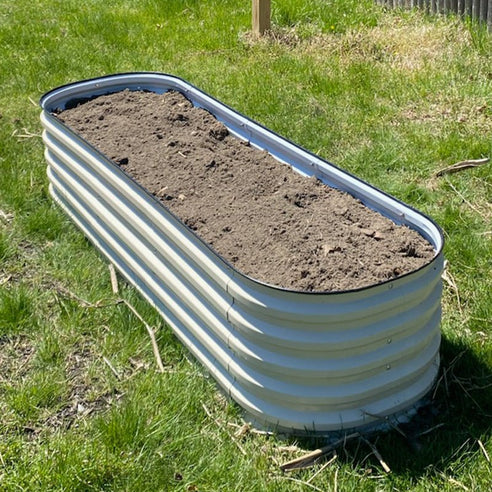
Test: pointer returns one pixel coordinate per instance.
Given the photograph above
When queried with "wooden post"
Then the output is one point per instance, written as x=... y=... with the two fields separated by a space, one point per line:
x=261 y=16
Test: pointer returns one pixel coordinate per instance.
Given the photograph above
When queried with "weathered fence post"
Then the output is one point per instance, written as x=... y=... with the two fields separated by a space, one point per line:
x=261 y=16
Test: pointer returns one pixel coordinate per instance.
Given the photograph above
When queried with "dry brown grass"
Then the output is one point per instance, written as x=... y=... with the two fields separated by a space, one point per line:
x=410 y=45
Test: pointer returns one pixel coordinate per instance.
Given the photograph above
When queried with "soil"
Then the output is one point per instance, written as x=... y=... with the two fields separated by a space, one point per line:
x=261 y=216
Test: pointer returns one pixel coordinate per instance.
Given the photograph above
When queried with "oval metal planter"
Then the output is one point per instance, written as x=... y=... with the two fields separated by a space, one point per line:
x=295 y=361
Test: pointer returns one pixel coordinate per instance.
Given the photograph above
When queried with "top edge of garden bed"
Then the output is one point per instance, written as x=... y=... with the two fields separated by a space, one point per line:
x=284 y=150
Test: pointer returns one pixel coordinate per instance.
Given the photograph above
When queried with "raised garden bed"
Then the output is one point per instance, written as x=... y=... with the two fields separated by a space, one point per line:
x=315 y=308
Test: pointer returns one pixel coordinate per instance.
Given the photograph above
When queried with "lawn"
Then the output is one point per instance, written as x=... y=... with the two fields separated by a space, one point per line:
x=391 y=96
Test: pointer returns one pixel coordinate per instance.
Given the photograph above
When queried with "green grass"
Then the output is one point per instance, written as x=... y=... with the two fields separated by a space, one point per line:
x=391 y=96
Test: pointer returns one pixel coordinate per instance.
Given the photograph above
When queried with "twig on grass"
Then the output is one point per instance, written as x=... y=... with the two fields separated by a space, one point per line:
x=114 y=279
x=475 y=387
x=102 y=303
x=446 y=385
x=248 y=429
x=377 y=454
x=288 y=449
x=324 y=467
x=310 y=459
x=26 y=134
x=242 y=430
x=222 y=427
x=475 y=209
x=484 y=451
x=444 y=378
x=431 y=429
x=459 y=166
x=6 y=279
x=113 y=370
x=449 y=279
x=467 y=393
x=151 y=333
x=455 y=482
x=4 y=216
x=458 y=451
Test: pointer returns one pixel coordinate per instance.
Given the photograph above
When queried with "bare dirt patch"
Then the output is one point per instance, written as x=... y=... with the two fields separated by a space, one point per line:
x=268 y=221
x=85 y=397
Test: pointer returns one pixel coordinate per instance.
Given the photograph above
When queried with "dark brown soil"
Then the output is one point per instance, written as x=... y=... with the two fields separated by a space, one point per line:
x=268 y=221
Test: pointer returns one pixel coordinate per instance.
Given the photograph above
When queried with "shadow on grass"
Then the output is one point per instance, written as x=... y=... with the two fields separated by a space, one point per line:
x=460 y=415
x=457 y=417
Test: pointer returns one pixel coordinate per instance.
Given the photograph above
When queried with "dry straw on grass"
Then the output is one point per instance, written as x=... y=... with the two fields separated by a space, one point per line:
x=409 y=45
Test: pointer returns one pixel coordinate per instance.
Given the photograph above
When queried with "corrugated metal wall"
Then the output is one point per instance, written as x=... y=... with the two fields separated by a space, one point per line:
x=293 y=360
x=480 y=10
